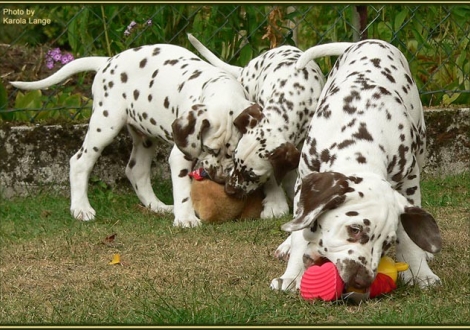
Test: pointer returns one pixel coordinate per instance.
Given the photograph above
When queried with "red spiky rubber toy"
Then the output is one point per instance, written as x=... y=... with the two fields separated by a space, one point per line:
x=321 y=282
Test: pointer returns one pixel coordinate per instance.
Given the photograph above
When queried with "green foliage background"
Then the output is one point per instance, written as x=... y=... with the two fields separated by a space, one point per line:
x=434 y=39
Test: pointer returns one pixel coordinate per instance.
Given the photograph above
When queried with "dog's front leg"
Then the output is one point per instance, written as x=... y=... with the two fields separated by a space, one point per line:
x=183 y=205
x=290 y=280
x=275 y=203
x=418 y=272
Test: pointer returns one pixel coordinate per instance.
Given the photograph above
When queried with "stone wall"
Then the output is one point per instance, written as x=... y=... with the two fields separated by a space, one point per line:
x=34 y=157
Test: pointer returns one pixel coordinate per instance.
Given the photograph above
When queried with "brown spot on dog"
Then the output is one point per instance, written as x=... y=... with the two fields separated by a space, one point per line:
x=363 y=133
x=248 y=118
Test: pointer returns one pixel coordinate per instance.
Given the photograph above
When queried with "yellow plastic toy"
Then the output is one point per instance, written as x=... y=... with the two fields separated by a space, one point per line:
x=385 y=282
x=389 y=267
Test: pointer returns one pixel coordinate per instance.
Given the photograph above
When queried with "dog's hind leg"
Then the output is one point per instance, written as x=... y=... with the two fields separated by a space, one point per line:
x=104 y=126
x=138 y=170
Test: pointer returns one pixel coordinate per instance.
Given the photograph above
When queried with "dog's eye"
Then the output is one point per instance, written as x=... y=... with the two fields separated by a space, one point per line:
x=354 y=230
x=250 y=176
x=213 y=152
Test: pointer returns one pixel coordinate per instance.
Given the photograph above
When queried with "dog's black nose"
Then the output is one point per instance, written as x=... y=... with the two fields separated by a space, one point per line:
x=360 y=283
x=362 y=280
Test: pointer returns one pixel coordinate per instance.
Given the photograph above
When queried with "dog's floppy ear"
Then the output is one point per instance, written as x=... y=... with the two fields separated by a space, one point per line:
x=249 y=118
x=319 y=192
x=188 y=130
x=283 y=159
x=422 y=229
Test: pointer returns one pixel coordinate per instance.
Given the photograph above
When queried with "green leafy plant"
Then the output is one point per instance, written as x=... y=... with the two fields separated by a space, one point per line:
x=36 y=106
x=434 y=38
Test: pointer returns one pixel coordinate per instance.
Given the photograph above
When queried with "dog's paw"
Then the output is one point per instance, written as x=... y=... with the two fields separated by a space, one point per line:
x=187 y=222
x=285 y=284
x=423 y=281
x=161 y=208
x=86 y=214
x=283 y=251
x=274 y=210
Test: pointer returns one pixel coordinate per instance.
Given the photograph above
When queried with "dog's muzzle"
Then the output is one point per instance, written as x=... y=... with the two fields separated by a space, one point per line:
x=215 y=175
x=357 y=276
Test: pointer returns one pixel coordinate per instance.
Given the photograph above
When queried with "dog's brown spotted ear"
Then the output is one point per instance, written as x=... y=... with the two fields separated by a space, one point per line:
x=422 y=229
x=319 y=192
x=188 y=130
x=283 y=159
x=249 y=118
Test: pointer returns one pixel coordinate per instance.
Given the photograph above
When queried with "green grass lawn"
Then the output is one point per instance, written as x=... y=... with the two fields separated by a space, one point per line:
x=55 y=270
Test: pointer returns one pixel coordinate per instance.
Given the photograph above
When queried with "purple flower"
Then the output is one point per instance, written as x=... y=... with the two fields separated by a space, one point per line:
x=131 y=25
x=55 y=55
x=66 y=58
x=53 y=52
x=49 y=63
x=149 y=22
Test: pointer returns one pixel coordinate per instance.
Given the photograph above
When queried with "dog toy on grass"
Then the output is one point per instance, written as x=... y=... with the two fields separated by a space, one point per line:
x=323 y=282
x=213 y=205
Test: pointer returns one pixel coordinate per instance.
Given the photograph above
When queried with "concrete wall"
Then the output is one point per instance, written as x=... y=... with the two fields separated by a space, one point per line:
x=35 y=157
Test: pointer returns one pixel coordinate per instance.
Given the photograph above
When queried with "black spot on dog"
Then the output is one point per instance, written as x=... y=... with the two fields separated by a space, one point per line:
x=376 y=62
x=411 y=191
x=195 y=74
x=345 y=143
x=363 y=133
x=170 y=62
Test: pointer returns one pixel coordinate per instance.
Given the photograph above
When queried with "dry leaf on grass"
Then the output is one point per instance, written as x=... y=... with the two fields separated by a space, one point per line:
x=111 y=238
x=116 y=259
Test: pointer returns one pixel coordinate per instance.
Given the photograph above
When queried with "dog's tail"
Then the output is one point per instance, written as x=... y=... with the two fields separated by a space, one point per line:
x=213 y=59
x=93 y=63
x=331 y=49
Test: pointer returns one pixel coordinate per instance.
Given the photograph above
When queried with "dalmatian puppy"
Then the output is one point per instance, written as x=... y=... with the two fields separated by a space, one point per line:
x=268 y=151
x=358 y=190
x=162 y=93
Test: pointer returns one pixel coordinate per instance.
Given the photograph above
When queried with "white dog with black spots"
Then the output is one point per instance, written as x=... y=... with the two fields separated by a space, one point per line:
x=269 y=150
x=358 y=191
x=162 y=93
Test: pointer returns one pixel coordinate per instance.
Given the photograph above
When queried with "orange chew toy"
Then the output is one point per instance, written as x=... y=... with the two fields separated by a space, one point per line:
x=213 y=205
